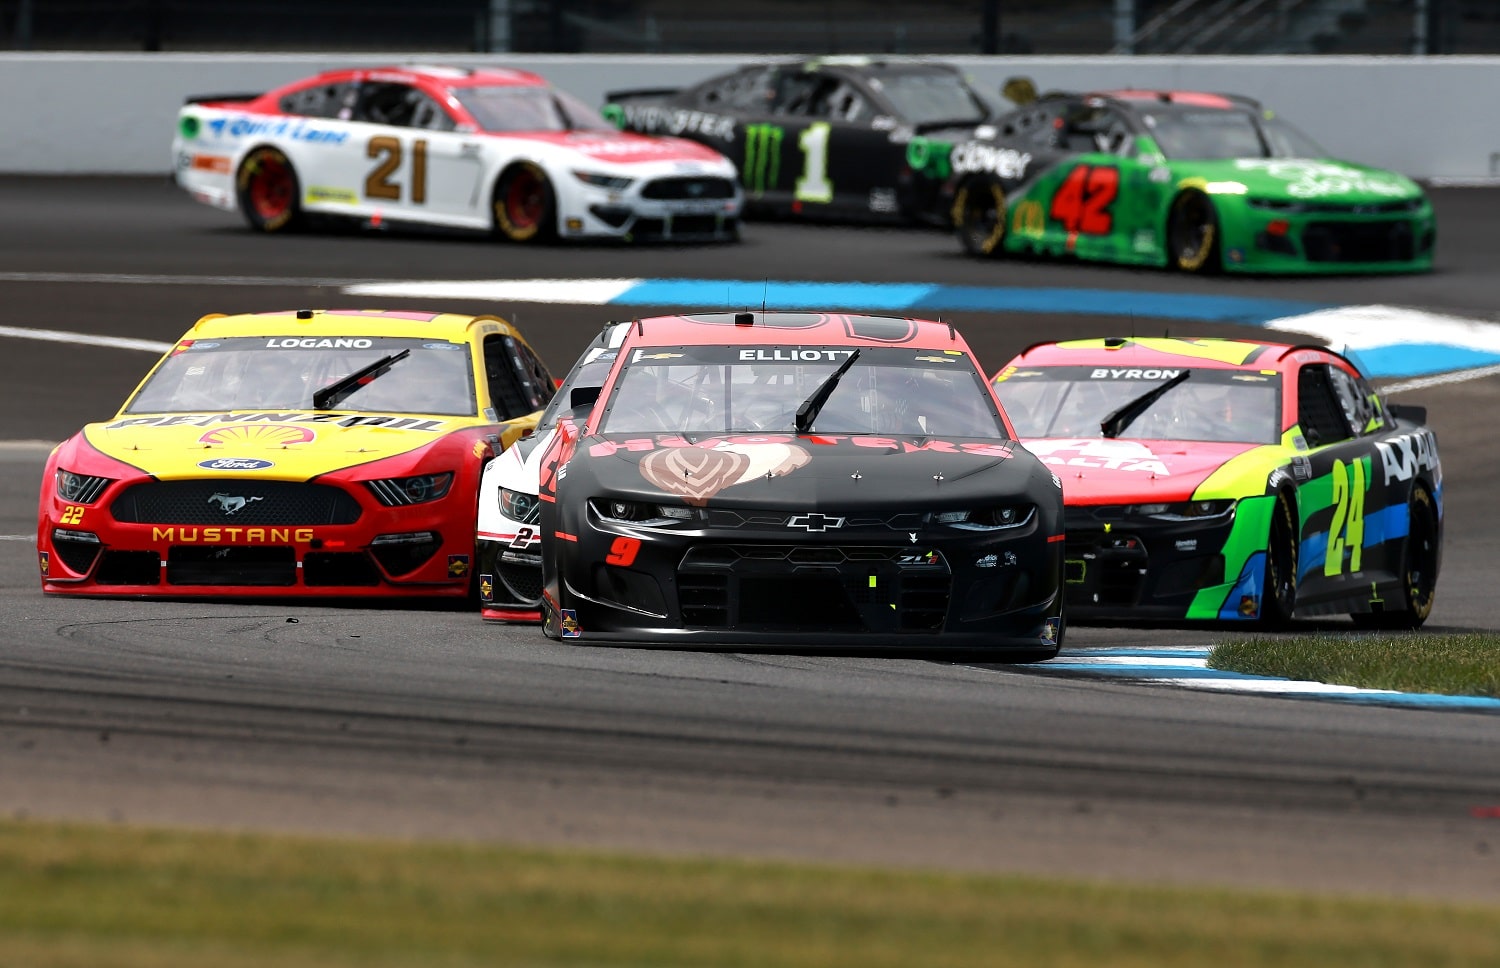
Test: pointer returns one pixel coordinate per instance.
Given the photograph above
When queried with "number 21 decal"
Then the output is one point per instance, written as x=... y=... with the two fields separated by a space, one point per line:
x=378 y=183
x=1082 y=201
x=1348 y=528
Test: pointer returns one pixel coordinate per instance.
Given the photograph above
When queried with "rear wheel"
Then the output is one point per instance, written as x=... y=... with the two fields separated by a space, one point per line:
x=268 y=191
x=525 y=205
x=1279 y=594
x=1419 y=569
x=979 y=216
x=1193 y=233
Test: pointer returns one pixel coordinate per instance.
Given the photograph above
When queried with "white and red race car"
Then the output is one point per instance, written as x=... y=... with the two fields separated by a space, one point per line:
x=496 y=150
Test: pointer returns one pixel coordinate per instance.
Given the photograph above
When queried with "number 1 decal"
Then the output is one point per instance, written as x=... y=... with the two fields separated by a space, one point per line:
x=814 y=185
x=1348 y=528
x=1083 y=200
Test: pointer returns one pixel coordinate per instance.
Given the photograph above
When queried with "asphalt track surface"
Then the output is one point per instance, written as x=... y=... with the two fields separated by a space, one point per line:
x=427 y=723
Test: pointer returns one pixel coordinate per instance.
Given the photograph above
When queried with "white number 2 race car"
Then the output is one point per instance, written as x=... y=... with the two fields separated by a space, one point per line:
x=495 y=150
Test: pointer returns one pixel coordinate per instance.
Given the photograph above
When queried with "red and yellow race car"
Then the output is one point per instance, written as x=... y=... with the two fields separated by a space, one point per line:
x=309 y=453
x=1231 y=480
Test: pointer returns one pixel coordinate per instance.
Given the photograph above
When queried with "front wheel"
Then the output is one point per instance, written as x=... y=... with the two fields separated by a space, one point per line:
x=1193 y=233
x=1419 y=569
x=979 y=217
x=1279 y=594
x=268 y=191
x=525 y=204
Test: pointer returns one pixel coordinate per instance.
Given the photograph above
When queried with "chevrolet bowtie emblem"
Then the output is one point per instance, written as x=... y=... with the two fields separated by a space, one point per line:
x=814 y=521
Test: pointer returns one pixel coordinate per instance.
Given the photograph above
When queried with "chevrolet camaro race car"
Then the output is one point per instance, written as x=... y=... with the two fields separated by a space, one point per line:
x=308 y=453
x=1231 y=480
x=1197 y=182
x=798 y=481
x=509 y=545
x=495 y=150
x=837 y=138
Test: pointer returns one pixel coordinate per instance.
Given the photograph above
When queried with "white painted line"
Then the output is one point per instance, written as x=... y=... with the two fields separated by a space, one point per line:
x=86 y=339
x=1284 y=686
x=1133 y=660
x=590 y=292
x=132 y=279
x=17 y=537
x=1441 y=379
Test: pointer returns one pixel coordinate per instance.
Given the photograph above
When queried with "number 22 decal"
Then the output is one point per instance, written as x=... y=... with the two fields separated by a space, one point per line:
x=1082 y=201
x=1348 y=528
x=378 y=183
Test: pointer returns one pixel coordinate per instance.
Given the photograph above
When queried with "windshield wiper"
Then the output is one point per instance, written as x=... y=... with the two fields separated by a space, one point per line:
x=341 y=389
x=1114 y=425
x=808 y=411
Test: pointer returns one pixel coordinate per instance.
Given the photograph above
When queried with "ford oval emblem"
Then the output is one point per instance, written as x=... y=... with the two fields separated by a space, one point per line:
x=236 y=464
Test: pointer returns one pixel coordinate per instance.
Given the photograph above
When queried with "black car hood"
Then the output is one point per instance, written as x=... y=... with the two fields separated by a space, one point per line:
x=771 y=470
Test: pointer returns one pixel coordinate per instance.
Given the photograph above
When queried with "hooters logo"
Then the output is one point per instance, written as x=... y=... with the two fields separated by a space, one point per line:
x=698 y=473
x=265 y=435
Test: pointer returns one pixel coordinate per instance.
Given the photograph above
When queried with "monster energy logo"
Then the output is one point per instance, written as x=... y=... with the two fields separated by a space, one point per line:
x=762 y=156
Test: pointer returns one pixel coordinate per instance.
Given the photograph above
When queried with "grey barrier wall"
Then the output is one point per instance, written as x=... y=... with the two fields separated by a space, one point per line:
x=1433 y=118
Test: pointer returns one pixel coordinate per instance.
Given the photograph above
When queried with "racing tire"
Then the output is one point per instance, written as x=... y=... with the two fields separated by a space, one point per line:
x=1279 y=593
x=525 y=204
x=1193 y=234
x=268 y=191
x=1420 y=557
x=979 y=213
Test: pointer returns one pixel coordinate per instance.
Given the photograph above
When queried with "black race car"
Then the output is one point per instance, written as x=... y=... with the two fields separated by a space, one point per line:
x=799 y=481
x=838 y=138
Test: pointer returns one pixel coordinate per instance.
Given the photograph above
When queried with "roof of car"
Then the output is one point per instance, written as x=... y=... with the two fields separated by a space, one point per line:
x=759 y=327
x=344 y=322
x=442 y=75
x=1161 y=352
x=1195 y=99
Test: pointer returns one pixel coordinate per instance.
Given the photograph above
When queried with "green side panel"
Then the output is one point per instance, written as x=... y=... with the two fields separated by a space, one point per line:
x=1252 y=523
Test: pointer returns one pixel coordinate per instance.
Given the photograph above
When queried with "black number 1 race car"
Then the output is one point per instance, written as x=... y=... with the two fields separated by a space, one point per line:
x=799 y=481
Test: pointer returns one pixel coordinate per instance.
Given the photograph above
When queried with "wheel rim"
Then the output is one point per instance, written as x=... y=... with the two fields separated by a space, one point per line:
x=1421 y=557
x=984 y=217
x=1281 y=564
x=1192 y=232
x=270 y=187
x=523 y=200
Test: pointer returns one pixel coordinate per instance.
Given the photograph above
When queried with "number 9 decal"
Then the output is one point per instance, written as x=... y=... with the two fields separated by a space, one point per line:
x=622 y=551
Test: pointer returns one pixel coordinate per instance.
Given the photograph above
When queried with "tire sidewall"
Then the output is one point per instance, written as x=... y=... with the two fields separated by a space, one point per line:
x=244 y=180
x=545 y=227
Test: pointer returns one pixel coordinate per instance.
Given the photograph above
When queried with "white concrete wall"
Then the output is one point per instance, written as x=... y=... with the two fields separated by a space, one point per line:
x=63 y=113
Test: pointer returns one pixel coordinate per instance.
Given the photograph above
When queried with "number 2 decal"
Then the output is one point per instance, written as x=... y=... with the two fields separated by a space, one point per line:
x=1348 y=528
x=1083 y=200
x=378 y=183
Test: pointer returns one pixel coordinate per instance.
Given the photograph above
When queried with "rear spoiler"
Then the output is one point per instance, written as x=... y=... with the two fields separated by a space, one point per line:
x=203 y=98
x=640 y=95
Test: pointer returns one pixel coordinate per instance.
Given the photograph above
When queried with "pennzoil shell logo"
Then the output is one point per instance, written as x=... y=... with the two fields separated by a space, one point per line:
x=698 y=473
x=264 y=435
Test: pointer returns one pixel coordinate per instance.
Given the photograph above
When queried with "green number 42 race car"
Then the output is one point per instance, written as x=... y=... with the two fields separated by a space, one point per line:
x=1193 y=181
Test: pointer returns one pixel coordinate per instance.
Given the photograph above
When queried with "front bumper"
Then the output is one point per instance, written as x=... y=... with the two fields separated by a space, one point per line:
x=1318 y=242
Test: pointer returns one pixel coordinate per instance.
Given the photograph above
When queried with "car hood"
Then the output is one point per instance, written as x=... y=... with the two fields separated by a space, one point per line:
x=625 y=148
x=1100 y=470
x=1300 y=180
x=786 y=470
x=289 y=445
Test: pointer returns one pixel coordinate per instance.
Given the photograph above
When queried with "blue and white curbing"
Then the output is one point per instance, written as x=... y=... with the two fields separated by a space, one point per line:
x=1187 y=667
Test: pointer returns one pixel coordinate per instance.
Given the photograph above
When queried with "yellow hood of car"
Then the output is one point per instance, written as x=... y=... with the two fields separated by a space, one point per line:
x=283 y=445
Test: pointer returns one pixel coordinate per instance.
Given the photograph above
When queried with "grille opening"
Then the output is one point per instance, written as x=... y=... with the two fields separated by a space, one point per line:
x=703 y=598
x=129 y=568
x=323 y=568
x=231 y=565
x=518 y=584
x=801 y=601
x=78 y=555
x=235 y=504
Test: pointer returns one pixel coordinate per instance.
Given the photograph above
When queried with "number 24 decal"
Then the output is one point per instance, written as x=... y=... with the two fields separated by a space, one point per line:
x=1083 y=200
x=1348 y=528
x=378 y=183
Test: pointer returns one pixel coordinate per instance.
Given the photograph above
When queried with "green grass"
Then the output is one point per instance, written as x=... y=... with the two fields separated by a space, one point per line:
x=97 y=896
x=1459 y=664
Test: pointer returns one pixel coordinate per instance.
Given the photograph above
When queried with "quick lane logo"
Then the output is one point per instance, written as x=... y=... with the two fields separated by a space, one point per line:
x=762 y=157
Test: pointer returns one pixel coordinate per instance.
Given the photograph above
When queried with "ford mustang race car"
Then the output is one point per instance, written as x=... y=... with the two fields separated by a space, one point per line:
x=1198 y=182
x=837 y=138
x=798 y=481
x=490 y=150
x=326 y=453
x=509 y=552
x=1232 y=480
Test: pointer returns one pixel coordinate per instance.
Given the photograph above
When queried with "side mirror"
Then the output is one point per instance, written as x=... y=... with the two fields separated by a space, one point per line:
x=1407 y=411
x=1019 y=90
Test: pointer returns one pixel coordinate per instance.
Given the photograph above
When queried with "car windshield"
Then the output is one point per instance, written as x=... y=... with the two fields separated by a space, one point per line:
x=283 y=373
x=1212 y=405
x=1204 y=134
x=511 y=108
x=758 y=389
x=928 y=97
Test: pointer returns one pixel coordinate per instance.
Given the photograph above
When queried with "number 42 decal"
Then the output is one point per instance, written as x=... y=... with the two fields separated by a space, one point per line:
x=1082 y=202
x=1348 y=528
